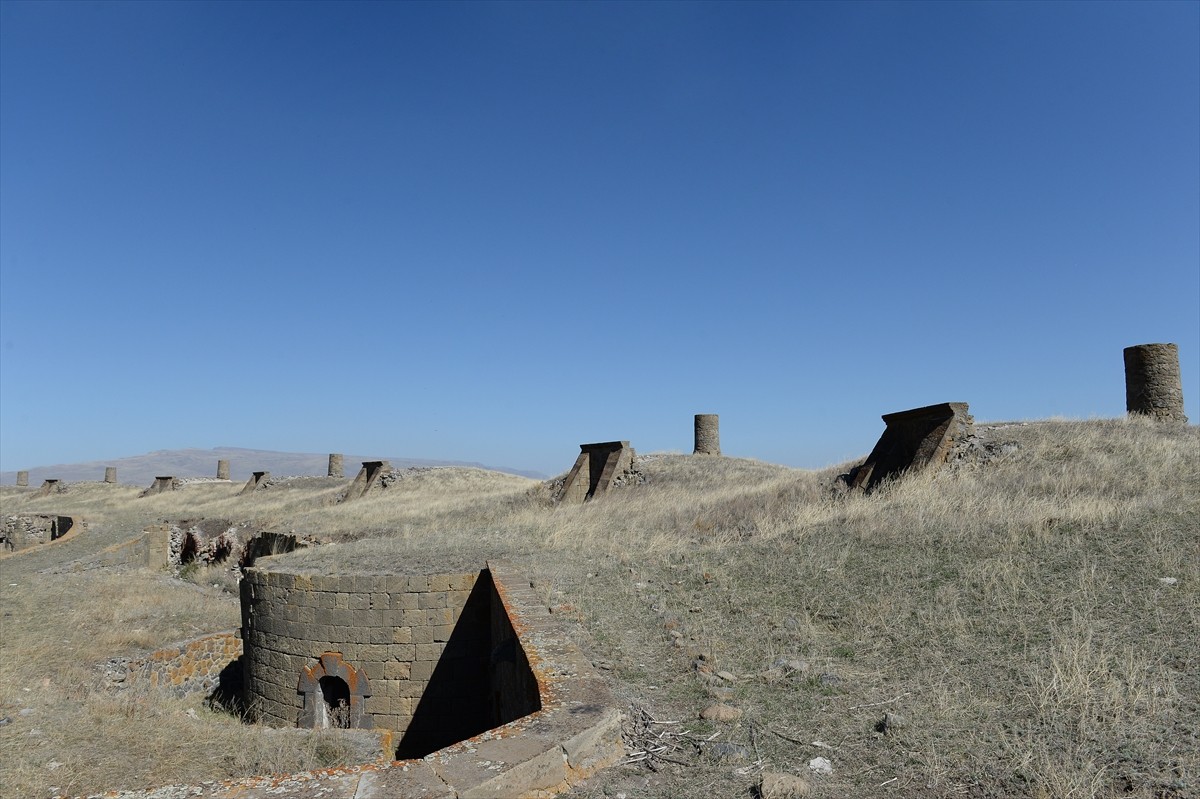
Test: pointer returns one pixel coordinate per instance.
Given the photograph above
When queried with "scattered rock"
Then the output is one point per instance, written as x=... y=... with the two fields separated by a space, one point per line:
x=727 y=676
x=792 y=663
x=778 y=785
x=1168 y=580
x=820 y=765
x=729 y=751
x=890 y=723
x=772 y=675
x=720 y=692
x=830 y=680
x=721 y=712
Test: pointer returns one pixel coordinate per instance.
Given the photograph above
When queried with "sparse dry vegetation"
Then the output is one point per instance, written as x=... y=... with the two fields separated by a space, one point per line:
x=1010 y=618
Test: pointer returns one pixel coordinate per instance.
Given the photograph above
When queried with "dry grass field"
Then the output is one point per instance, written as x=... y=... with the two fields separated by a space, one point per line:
x=1024 y=627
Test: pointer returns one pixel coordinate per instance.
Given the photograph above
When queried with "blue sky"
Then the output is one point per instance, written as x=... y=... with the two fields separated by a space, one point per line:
x=495 y=231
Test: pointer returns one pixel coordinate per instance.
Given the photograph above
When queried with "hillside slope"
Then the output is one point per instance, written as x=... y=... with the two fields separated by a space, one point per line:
x=1029 y=626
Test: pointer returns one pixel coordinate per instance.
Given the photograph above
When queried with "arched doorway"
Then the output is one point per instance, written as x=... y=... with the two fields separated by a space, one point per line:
x=335 y=695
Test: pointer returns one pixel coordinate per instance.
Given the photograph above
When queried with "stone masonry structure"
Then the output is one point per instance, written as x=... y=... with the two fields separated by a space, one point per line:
x=1153 y=386
x=51 y=485
x=914 y=440
x=161 y=484
x=110 y=474
x=28 y=529
x=369 y=478
x=572 y=731
x=336 y=466
x=596 y=470
x=391 y=630
x=708 y=434
x=498 y=701
x=222 y=469
x=22 y=479
x=257 y=482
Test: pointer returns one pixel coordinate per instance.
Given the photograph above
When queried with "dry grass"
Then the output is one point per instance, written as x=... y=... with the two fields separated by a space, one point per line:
x=1011 y=615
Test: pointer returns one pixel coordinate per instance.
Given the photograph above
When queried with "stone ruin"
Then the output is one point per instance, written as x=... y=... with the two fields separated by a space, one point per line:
x=336 y=467
x=22 y=479
x=257 y=482
x=110 y=474
x=708 y=434
x=1153 y=386
x=599 y=468
x=210 y=542
x=30 y=529
x=161 y=484
x=222 y=469
x=51 y=485
x=371 y=477
x=914 y=440
x=463 y=675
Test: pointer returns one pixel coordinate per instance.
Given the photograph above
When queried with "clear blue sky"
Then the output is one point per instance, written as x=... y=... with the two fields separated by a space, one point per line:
x=495 y=231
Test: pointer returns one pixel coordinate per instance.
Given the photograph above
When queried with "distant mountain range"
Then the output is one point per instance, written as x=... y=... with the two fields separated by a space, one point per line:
x=142 y=469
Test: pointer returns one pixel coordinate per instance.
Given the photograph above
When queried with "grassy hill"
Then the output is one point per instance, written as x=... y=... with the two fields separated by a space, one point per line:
x=1027 y=626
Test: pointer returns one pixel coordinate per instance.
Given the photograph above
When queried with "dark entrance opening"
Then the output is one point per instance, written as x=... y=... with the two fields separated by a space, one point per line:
x=221 y=550
x=336 y=694
x=188 y=549
x=482 y=679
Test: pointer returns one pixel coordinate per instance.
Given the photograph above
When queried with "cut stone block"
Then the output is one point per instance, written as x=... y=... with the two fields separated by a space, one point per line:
x=914 y=440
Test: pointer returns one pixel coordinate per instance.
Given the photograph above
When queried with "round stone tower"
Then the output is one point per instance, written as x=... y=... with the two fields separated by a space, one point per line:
x=708 y=434
x=1152 y=383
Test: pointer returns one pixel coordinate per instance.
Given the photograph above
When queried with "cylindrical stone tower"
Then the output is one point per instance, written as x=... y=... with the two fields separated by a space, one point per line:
x=335 y=465
x=110 y=474
x=222 y=469
x=23 y=479
x=1152 y=383
x=708 y=434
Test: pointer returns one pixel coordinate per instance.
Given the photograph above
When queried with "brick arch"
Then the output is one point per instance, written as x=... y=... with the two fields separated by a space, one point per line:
x=330 y=664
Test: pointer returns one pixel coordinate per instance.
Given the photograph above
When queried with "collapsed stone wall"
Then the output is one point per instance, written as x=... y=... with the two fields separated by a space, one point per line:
x=31 y=529
x=180 y=669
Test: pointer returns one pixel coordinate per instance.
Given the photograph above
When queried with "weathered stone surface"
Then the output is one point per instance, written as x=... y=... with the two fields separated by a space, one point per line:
x=369 y=478
x=110 y=474
x=51 y=485
x=597 y=469
x=22 y=479
x=721 y=712
x=914 y=440
x=336 y=466
x=504 y=767
x=1153 y=386
x=257 y=482
x=222 y=469
x=708 y=434
x=410 y=780
x=161 y=484
x=776 y=785
x=29 y=529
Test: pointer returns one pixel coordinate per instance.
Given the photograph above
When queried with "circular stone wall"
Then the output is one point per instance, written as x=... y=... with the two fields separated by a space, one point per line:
x=708 y=434
x=1152 y=383
x=389 y=631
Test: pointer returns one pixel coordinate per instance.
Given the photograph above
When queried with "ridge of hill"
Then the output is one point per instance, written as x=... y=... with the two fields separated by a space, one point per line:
x=196 y=462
